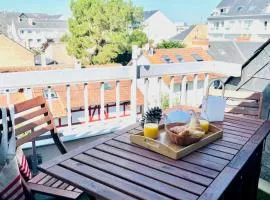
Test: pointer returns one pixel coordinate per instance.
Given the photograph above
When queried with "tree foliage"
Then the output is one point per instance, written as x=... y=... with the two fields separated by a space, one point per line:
x=170 y=44
x=101 y=30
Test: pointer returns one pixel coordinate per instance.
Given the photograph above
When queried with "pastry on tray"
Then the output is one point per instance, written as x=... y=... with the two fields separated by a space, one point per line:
x=184 y=135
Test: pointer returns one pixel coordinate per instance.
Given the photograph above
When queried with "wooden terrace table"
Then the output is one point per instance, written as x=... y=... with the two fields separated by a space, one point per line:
x=112 y=168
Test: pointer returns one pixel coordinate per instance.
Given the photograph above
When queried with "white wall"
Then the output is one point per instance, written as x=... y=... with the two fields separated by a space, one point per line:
x=158 y=27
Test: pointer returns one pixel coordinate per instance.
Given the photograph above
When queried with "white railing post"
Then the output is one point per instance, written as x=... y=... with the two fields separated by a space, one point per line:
x=28 y=93
x=102 y=101
x=8 y=96
x=146 y=87
x=184 y=90
x=49 y=93
x=206 y=82
x=195 y=89
x=86 y=104
x=117 y=102
x=68 y=106
x=171 y=93
x=133 y=96
x=159 y=79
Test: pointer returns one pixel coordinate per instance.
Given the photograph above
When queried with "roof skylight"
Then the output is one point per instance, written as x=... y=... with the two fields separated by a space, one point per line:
x=197 y=57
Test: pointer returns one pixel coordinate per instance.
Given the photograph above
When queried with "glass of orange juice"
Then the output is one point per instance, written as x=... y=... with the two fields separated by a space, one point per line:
x=151 y=129
x=204 y=125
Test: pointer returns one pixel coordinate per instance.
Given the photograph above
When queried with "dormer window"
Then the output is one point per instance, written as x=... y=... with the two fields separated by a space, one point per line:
x=166 y=59
x=223 y=11
x=240 y=8
x=197 y=57
x=179 y=58
x=46 y=94
x=267 y=8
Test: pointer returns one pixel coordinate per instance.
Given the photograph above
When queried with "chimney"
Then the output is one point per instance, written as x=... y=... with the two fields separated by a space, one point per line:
x=43 y=59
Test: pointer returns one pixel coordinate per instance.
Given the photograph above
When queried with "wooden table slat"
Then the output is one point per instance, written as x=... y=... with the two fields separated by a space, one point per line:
x=149 y=154
x=138 y=178
x=83 y=148
x=147 y=171
x=156 y=165
x=244 y=119
x=233 y=140
x=90 y=186
x=218 y=154
x=44 y=180
x=228 y=144
x=236 y=124
x=222 y=148
x=119 y=183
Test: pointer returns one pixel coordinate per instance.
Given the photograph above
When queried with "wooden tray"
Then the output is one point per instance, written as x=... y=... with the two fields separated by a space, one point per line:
x=164 y=146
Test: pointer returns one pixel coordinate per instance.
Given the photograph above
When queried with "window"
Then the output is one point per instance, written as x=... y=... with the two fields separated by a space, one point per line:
x=53 y=94
x=38 y=40
x=265 y=25
x=216 y=25
x=167 y=59
x=29 y=31
x=30 y=40
x=22 y=31
x=239 y=9
x=222 y=24
x=179 y=58
x=197 y=57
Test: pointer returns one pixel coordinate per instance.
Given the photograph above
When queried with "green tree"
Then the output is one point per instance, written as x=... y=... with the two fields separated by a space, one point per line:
x=104 y=30
x=170 y=44
x=64 y=38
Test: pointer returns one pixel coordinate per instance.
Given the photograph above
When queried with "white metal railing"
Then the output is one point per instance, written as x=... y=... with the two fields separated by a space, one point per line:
x=147 y=74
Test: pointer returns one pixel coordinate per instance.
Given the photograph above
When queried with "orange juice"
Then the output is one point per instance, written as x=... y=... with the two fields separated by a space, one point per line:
x=204 y=125
x=151 y=130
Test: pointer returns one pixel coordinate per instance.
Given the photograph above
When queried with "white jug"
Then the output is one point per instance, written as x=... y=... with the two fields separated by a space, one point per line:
x=213 y=107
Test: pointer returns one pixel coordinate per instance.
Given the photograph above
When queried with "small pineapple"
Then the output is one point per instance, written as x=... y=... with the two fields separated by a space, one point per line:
x=153 y=114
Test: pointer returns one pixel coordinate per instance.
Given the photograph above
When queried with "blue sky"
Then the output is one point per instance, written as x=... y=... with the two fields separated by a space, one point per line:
x=191 y=11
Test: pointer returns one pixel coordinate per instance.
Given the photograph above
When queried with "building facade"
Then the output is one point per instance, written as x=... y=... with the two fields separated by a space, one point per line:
x=32 y=30
x=194 y=36
x=240 y=20
x=157 y=26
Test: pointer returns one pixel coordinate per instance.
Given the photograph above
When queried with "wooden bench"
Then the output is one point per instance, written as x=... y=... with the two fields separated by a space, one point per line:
x=242 y=103
x=33 y=120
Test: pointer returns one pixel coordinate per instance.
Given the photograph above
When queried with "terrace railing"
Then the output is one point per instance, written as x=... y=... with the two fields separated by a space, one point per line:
x=135 y=73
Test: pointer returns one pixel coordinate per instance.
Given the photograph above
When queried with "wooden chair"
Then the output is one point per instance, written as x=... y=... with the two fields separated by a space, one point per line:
x=243 y=103
x=33 y=120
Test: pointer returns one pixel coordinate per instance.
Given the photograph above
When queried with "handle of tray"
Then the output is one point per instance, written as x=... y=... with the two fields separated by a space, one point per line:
x=152 y=143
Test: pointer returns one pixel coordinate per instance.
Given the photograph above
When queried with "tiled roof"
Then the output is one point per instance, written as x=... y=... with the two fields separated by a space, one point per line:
x=33 y=68
x=185 y=53
x=178 y=79
x=14 y=98
x=59 y=105
x=148 y=14
x=188 y=56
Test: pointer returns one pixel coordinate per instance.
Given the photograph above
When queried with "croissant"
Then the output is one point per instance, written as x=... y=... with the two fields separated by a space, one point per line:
x=194 y=128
